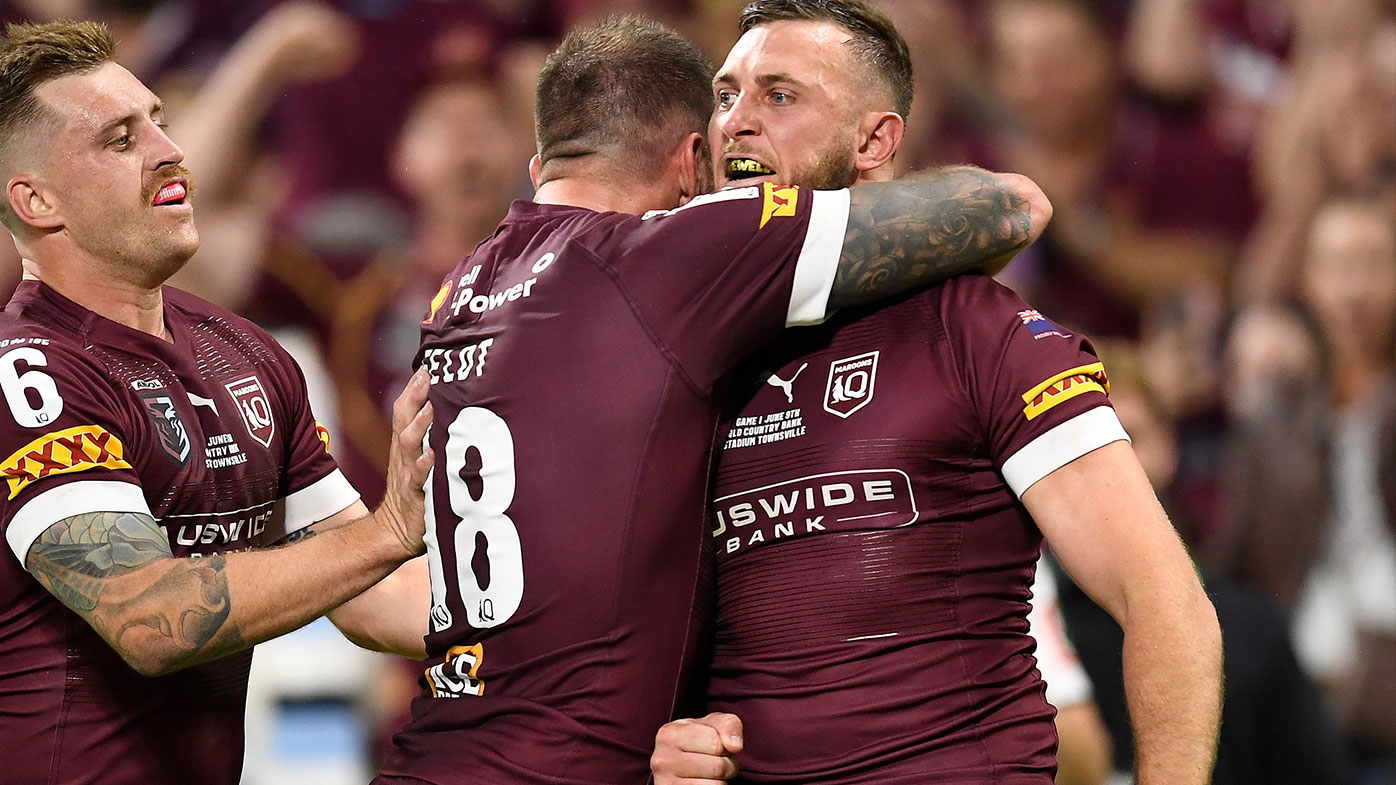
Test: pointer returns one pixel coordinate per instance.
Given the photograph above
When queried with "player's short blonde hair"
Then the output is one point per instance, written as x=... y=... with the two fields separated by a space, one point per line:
x=30 y=55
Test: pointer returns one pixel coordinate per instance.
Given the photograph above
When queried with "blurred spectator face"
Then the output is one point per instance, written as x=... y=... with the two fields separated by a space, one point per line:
x=1270 y=352
x=787 y=108
x=1350 y=277
x=1053 y=65
x=456 y=158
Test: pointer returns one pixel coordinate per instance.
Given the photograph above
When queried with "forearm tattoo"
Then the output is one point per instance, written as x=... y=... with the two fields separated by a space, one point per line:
x=116 y=570
x=921 y=230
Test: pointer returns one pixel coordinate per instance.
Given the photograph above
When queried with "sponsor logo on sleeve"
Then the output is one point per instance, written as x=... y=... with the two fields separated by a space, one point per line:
x=1040 y=326
x=779 y=201
x=850 y=385
x=169 y=429
x=1065 y=386
x=255 y=407
x=63 y=452
x=323 y=434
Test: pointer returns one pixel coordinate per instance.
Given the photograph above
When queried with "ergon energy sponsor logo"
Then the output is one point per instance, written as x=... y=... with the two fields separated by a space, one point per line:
x=1065 y=386
x=837 y=501
x=70 y=450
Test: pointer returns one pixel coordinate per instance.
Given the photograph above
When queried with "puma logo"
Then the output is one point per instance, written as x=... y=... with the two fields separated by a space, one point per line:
x=199 y=400
x=776 y=381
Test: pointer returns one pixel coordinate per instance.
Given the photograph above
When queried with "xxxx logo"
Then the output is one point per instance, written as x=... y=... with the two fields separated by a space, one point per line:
x=70 y=450
x=780 y=201
x=1065 y=386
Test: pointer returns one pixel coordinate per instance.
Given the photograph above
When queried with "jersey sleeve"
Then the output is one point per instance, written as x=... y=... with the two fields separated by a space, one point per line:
x=723 y=274
x=311 y=483
x=1040 y=391
x=66 y=440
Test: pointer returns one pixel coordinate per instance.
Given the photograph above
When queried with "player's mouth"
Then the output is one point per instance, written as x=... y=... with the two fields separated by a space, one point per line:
x=175 y=192
x=746 y=168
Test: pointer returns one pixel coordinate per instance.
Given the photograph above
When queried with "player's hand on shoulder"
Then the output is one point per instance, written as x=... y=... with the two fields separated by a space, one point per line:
x=409 y=462
x=697 y=751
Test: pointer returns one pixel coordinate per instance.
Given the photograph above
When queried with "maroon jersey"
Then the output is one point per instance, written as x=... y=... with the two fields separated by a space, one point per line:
x=873 y=560
x=574 y=360
x=213 y=437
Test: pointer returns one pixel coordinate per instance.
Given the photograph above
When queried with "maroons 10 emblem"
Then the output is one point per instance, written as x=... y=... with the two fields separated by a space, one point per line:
x=851 y=383
x=255 y=407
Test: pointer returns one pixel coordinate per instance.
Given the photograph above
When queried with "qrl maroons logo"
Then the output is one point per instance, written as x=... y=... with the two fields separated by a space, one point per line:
x=173 y=437
x=850 y=386
x=252 y=402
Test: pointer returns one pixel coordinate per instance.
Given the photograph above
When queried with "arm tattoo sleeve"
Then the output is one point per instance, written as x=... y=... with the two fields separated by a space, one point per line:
x=116 y=570
x=924 y=229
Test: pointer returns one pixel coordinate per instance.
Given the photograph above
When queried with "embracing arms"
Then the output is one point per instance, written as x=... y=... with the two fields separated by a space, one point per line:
x=162 y=613
x=925 y=228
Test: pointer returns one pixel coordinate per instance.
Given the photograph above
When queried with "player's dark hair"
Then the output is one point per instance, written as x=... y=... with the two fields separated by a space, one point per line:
x=626 y=88
x=876 y=44
x=32 y=54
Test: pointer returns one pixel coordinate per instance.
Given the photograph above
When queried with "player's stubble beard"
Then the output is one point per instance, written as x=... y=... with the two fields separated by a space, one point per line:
x=831 y=168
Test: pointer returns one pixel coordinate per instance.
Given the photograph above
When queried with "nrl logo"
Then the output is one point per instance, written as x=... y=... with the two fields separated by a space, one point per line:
x=252 y=403
x=173 y=437
x=850 y=385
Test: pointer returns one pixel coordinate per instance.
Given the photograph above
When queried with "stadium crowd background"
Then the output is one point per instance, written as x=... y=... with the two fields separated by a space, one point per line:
x=1223 y=174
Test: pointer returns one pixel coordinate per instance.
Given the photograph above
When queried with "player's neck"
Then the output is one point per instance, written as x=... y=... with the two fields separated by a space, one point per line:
x=138 y=307
x=602 y=196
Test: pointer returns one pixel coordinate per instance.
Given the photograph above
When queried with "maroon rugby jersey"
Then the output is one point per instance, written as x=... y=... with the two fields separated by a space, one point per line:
x=574 y=360
x=873 y=560
x=212 y=436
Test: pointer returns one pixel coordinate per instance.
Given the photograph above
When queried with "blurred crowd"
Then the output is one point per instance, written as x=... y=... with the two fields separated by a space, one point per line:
x=1223 y=174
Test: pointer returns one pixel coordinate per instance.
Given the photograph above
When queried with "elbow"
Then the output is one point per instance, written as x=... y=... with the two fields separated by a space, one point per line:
x=1035 y=205
x=152 y=663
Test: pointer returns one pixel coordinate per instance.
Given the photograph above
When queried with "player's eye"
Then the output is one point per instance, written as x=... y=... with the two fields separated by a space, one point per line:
x=725 y=98
x=780 y=98
x=120 y=141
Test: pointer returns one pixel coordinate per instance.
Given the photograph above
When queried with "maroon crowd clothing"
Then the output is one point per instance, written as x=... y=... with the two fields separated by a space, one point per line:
x=874 y=562
x=576 y=359
x=211 y=435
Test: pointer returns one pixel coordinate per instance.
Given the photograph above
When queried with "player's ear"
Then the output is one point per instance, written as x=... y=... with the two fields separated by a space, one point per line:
x=879 y=136
x=695 y=168
x=31 y=201
x=535 y=168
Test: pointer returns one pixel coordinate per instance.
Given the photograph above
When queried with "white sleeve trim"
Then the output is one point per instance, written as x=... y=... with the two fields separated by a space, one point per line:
x=1062 y=445
x=65 y=501
x=318 y=501
x=819 y=258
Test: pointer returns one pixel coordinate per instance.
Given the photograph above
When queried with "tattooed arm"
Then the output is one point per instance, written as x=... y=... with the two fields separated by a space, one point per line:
x=162 y=613
x=923 y=229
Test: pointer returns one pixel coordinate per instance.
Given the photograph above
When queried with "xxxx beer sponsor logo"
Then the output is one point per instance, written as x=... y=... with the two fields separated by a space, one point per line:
x=62 y=452
x=1065 y=386
x=779 y=201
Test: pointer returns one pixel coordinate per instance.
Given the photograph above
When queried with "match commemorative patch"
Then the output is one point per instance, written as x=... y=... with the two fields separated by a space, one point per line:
x=1065 y=386
x=851 y=384
x=255 y=408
